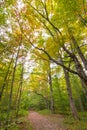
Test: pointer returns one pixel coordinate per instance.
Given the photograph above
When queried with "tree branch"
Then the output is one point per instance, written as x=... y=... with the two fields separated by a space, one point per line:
x=53 y=60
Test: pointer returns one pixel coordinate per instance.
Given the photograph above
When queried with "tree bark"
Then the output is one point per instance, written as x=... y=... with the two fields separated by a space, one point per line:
x=20 y=90
x=71 y=100
x=84 y=88
x=51 y=91
x=12 y=81
x=5 y=78
x=80 y=104
x=80 y=73
x=69 y=90
x=79 y=52
x=78 y=66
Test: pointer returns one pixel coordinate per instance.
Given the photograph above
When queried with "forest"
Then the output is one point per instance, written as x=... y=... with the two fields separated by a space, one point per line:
x=43 y=61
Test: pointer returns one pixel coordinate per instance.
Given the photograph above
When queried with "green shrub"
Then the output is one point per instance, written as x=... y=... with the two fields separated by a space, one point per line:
x=23 y=112
x=73 y=124
x=45 y=112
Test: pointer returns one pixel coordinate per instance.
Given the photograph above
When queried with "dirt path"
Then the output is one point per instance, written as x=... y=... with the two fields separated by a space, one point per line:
x=40 y=122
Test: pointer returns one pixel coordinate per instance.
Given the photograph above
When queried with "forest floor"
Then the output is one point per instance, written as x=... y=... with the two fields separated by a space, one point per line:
x=46 y=122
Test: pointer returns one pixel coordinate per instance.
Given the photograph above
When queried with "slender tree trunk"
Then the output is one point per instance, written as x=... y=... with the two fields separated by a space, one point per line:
x=5 y=78
x=12 y=82
x=84 y=88
x=80 y=104
x=71 y=100
x=79 y=96
x=20 y=90
x=51 y=91
x=60 y=95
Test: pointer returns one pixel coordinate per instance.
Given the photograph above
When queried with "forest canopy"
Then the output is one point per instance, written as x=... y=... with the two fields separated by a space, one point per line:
x=43 y=57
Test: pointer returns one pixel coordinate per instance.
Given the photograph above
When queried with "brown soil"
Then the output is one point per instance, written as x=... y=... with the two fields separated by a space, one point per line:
x=41 y=122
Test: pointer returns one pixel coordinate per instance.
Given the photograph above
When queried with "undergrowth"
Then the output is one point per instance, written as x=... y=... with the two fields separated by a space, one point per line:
x=45 y=112
x=21 y=123
x=73 y=124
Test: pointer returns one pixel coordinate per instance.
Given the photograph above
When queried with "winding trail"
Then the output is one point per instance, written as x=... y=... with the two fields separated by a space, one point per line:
x=41 y=122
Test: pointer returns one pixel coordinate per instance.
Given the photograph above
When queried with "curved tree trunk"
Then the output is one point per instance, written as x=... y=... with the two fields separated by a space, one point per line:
x=79 y=52
x=78 y=65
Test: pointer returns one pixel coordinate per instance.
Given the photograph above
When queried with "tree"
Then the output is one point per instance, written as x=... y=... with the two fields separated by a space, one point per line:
x=59 y=36
x=51 y=90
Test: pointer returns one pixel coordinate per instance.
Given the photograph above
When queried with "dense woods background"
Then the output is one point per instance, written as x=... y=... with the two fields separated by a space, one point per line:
x=43 y=58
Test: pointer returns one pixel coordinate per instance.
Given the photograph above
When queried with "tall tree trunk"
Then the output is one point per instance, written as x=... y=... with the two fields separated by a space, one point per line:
x=69 y=90
x=12 y=81
x=5 y=78
x=84 y=88
x=80 y=104
x=20 y=90
x=51 y=91
x=60 y=94
x=77 y=89
x=71 y=100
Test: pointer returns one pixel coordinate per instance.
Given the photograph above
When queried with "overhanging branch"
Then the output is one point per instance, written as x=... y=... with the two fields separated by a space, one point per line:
x=53 y=60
